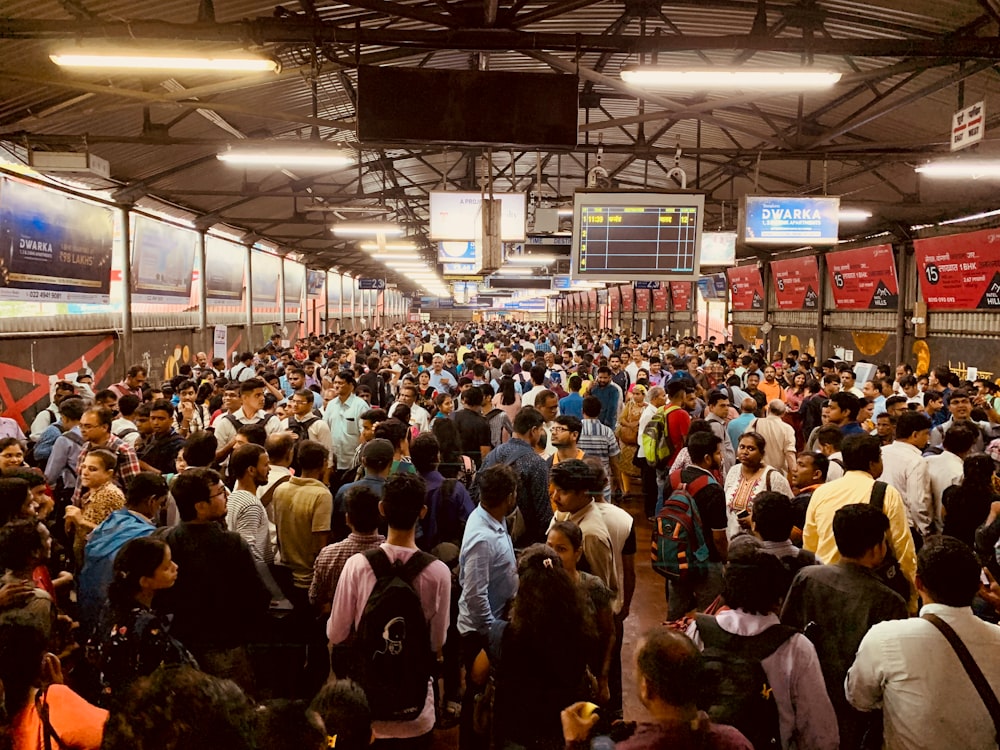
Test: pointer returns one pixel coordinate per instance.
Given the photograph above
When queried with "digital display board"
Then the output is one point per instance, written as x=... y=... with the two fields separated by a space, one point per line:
x=459 y=216
x=790 y=220
x=630 y=235
x=718 y=248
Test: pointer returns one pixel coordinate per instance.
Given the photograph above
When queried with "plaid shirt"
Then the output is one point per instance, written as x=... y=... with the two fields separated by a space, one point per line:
x=330 y=562
x=128 y=465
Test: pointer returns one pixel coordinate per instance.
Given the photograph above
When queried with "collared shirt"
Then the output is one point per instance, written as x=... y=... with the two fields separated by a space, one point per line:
x=419 y=416
x=598 y=441
x=225 y=430
x=621 y=528
x=128 y=464
x=318 y=431
x=246 y=516
x=856 y=487
x=64 y=457
x=909 y=670
x=805 y=715
x=780 y=441
x=487 y=570
x=532 y=487
x=344 y=420
x=944 y=470
x=728 y=452
x=904 y=468
x=10 y=428
x=330 y=563
x=443 y=382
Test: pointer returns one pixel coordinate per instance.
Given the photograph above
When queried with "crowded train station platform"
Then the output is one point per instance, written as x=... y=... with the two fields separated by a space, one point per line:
x=501 y=375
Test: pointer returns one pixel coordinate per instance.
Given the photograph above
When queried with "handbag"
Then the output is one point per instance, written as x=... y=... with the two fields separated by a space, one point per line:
x=889 y=572
x=972 y=669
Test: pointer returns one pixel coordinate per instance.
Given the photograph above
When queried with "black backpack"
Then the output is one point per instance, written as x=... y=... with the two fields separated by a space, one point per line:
x=237 y=423
x=393 y=644
x=301 y=429
x=739 y=692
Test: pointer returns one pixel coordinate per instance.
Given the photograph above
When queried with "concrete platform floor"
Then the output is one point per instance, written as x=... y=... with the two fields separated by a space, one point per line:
x=648 y=609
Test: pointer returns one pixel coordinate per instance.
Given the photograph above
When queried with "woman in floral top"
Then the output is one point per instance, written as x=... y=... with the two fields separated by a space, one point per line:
x=131 y=641
x=101 y=499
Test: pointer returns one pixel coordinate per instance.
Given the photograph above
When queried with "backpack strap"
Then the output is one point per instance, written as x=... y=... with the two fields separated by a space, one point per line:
x=383 y=567
x=877 y=499
x=757 y=647
x=971 y=668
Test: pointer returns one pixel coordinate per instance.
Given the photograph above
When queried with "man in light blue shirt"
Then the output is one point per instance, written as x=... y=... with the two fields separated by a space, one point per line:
x=488 y=573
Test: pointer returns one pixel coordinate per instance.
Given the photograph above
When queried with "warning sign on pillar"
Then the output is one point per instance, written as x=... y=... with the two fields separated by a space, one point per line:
x=967 y=126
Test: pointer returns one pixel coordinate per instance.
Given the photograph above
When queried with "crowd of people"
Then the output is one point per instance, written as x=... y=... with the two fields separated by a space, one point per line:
x=368 y=537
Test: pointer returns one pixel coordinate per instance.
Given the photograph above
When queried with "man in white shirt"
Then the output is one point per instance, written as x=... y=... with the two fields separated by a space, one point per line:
x=537 y=385
x=251 y=412
x=343 y=417
x=638 y=362
x=948 y=468
x=909 y=669
x=303 y=420
x=419 y=417
x=904 y=467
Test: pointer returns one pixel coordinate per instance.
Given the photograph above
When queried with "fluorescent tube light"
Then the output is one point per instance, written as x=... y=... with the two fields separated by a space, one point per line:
x=368 y=228
x=854 y=214
x=401 y=257
x=742 y=78
x=132 y=60
x=973 y=217
x=280 y=155
x=532 y=259
x=974 y=168
x=370 y=247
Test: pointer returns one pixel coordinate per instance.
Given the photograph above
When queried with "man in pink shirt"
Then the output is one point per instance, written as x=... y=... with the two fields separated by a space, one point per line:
x=402 y=505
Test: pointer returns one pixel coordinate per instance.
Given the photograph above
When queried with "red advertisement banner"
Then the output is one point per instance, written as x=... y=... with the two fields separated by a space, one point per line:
x=628 y=298
x=642 y=300
x=680 y=295
x=592 y=300
x=864 y=278
x=660 y=298
x=796 y=283
x=747 y=287
x=960 y=271
x=614 y=299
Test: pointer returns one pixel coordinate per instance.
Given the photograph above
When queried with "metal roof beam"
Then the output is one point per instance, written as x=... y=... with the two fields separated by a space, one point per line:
x=294 y=30
x=401 y=10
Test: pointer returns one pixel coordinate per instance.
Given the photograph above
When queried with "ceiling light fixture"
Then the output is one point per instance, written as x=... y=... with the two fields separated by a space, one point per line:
x=371 y=247
x=532 y=259
x=401 y=257
x=801 y=79
x=301 y=154
x=853 y=214
x=367 y=229
x=124 y=59
x=974 y=168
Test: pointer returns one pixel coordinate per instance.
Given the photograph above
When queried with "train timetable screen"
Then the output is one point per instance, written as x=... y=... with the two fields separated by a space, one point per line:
x=640 y=239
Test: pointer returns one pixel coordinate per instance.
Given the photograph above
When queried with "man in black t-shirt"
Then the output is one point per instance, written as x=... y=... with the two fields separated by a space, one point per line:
x=697 y=592
x=473 y=429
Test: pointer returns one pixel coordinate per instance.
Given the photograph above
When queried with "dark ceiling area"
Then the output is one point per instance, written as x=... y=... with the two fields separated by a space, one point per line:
x=907 y=65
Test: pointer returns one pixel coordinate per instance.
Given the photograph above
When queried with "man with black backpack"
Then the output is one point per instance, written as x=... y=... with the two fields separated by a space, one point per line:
x=251 y=412
x=390 y=619
x=763 y=678
x=305 y=423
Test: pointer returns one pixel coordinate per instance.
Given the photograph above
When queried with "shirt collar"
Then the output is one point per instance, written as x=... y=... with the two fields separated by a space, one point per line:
x=944 y=609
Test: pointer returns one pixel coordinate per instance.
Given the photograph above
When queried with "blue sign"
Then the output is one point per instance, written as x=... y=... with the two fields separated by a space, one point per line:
x=457 y=252
x=371 y=283
x=646 y=284
x=563 y=283
x=721 y=285
x=790 y=220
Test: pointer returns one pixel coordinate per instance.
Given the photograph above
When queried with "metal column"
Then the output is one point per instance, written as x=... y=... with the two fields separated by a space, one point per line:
x=821 y=307
x=202 y=286
x=248 y=296
x=125 y=233
x=903 y=274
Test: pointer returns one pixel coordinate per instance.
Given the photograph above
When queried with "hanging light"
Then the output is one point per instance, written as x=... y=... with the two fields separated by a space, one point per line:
x=137 y=59
x=711 y=79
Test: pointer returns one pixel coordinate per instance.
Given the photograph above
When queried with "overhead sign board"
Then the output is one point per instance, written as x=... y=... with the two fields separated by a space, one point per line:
x=790 y=220
x=718 y=248
x=459 y=215
x=967 y=126
x=646 y=284
x=364 y=283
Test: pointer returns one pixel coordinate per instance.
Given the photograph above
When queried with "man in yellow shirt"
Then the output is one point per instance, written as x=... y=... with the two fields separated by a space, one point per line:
x=862 y=466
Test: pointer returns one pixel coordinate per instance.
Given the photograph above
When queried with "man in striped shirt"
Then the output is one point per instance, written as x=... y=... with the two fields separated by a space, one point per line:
x=597 y=440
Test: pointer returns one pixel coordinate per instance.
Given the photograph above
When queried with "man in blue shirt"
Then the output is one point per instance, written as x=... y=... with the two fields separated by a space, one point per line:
x=610 y=396
x=572 y=404
x=488 y=572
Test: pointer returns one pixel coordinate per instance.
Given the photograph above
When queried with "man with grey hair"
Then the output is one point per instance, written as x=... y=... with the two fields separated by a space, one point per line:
x=780 y=437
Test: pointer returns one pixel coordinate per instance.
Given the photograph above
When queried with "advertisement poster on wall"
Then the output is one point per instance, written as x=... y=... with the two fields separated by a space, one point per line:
x=333 y=283
x=796 y=283
x=747 y=287
x=960 y=271
x=642 y=300
x=628 y=298
x=660 y=295
x=265 y=270
x=592 y=300
x=295 y=280
x=224 y=271
x=864 y=278
x=53 y=248
x=314 y=283
x=680 y=296
x=614 y=299
x=162 y=261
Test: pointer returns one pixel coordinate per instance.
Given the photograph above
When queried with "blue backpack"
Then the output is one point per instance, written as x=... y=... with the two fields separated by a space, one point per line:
x=679 y=547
